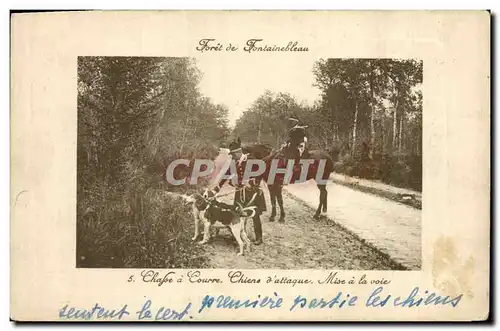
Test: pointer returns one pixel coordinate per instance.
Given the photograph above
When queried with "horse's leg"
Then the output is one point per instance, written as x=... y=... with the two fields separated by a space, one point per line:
x=279 y=193
x=325 y=200
x=322 y=189
x=272 y=194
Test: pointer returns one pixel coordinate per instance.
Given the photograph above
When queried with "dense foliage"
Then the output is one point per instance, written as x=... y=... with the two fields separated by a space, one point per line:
x=370 y=110
x=137 y=114
x=134 y=115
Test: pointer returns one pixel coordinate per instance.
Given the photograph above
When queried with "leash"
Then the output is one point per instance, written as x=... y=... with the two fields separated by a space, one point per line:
x=244 y=188
x=232 y=192
x=243 y=210
x=251 y=208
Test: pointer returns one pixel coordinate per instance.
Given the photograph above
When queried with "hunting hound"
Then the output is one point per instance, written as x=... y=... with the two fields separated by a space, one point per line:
x=217 y=215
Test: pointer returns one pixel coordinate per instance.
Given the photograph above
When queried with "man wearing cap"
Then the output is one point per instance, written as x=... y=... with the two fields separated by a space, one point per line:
x=245 y=191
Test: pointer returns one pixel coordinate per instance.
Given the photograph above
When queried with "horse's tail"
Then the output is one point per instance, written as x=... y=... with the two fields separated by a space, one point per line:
x=329 y=167
x=330 y=164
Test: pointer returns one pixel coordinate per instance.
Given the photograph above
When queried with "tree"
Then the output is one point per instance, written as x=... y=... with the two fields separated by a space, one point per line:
x=403 y=80
x=117 y=100
x=138 y=111
x=361 y=92
x=266 y=121
x=345 y=88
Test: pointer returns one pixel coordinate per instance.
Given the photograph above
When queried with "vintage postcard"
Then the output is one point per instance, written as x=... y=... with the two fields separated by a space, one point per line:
x=250 y=166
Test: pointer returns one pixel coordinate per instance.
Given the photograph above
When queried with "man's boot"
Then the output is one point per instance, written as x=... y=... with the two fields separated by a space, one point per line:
x=257 y=227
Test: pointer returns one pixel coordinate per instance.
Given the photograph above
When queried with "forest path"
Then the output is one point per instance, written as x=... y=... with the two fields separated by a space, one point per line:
x=299 y=243
x=393 y=228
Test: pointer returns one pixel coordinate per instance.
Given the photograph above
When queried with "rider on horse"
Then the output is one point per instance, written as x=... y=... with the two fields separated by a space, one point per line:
x=295 y=146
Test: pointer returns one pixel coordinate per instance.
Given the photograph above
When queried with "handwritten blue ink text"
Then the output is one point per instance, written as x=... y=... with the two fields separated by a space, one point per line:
x=338 y=301
x=228 y=302
x=97 y=311
x=162 y=314
x=412 y=300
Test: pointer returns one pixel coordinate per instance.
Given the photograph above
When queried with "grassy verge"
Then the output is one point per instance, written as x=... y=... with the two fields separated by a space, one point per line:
x=135 y=227
x=403 y=172
x=404 y=199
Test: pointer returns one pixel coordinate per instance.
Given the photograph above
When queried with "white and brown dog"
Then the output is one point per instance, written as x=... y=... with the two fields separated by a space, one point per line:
x=217 y=215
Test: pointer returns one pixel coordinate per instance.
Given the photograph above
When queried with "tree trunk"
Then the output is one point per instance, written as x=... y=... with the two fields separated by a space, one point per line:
x=400 y=133
x=395 y=123
x=419 y=143
x=372 y=117
x=382 y=128
x=259 y=133
x=337 y=133
x=353 y=149
x=372 y=133
x=394 y=129
x=395 y=102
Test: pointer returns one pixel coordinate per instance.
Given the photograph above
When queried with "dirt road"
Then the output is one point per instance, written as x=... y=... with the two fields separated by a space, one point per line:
x=393 y=228
x=299 y=243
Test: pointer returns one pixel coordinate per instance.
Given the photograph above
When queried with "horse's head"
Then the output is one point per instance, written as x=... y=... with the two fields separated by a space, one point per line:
x=302 y=148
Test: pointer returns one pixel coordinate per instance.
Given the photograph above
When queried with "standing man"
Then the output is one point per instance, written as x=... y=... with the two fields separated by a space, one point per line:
x=245 y=191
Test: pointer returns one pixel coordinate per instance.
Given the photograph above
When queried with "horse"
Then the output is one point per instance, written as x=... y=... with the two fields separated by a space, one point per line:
x=268 y=154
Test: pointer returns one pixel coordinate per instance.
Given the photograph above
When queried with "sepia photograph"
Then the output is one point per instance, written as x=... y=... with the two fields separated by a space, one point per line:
x=187 y=162
x=250 y=166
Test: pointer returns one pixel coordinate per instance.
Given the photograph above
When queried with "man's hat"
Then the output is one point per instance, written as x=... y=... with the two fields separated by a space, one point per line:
x=235 y=146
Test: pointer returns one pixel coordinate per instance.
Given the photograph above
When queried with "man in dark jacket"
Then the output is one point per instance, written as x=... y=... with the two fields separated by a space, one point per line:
x=296 y=145
x=245 y=191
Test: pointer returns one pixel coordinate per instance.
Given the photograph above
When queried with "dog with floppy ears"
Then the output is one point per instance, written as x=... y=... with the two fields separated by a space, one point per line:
x=216 y=215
